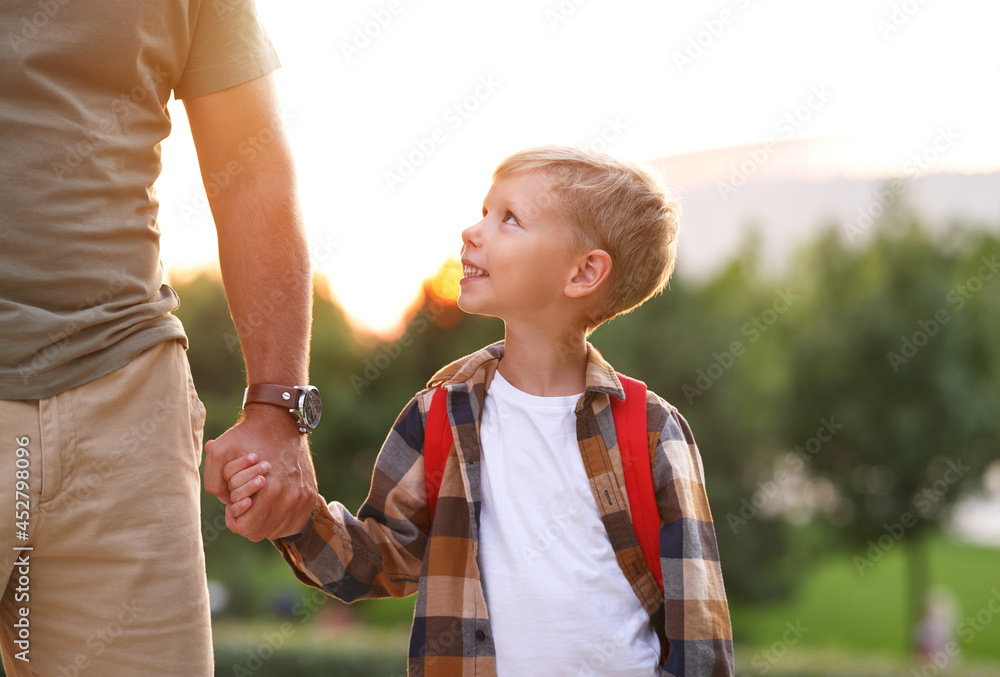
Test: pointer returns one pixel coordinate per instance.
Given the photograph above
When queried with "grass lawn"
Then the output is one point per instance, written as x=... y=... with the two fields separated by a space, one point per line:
x=813 y=662
x=840 y=623
x=839 y=609
x=305 y=647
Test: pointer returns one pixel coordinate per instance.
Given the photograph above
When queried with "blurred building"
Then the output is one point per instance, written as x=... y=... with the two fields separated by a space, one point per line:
x=790 y=189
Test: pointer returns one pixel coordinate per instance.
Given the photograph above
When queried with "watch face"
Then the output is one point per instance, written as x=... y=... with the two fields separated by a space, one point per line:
x=312 y=406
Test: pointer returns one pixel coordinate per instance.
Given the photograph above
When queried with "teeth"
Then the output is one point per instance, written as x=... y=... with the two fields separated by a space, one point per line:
x=472 y=271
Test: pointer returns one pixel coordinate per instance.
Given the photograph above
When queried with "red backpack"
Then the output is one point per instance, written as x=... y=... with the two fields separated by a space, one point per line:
x=629 y=416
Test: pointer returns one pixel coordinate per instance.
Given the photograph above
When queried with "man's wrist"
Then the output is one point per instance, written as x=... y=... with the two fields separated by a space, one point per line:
x=274 y=418
x=302 y=402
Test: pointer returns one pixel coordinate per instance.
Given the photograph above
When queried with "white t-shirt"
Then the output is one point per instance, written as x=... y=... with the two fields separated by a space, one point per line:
x=559 y=603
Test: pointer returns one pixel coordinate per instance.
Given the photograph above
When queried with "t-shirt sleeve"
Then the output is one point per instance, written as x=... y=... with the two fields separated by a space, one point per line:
x=228 y=47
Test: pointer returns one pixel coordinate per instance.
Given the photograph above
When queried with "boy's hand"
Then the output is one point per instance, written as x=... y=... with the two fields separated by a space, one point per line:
x=284 y=504
x=245 y=477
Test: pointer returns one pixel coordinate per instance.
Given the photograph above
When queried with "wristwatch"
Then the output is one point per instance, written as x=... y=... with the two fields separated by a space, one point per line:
x=302 y=401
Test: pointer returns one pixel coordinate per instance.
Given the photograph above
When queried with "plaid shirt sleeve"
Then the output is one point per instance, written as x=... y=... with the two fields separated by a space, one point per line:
x=696 y=613
x=380 y=552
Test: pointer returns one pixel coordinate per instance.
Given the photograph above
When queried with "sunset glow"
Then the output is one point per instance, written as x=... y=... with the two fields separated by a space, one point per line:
x=397 y=119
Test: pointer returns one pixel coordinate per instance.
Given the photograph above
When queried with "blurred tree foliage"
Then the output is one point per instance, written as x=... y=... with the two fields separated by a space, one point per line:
x=812 y=433
x=709 y=349
x=898 y=342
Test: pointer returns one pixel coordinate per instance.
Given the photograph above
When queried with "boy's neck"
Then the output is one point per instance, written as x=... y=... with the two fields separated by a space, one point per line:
x=545 y=365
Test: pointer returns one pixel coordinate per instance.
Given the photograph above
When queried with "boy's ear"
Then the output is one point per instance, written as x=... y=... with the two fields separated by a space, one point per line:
x=593 y=268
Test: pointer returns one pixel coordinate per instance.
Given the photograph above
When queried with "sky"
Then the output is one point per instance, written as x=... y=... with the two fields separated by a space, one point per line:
x=398 y=110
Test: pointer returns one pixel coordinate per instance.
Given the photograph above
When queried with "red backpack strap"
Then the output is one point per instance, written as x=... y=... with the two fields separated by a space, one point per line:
x=437 y=443
x=633 y=441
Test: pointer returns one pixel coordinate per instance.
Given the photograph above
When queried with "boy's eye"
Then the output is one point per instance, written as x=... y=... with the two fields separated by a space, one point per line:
x=511 y=219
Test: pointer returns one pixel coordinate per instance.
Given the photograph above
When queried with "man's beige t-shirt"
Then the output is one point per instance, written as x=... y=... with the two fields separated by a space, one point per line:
x=83 y=93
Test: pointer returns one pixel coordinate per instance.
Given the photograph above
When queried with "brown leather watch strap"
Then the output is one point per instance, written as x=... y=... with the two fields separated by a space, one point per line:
x=267 y=393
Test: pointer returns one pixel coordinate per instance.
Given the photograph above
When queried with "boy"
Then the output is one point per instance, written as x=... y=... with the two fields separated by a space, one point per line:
x=529 y=566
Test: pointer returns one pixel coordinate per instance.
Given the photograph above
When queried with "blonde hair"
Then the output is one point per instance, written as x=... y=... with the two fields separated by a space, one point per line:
x=616 y=206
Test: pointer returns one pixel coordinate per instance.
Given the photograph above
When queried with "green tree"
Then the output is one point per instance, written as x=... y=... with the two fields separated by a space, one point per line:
x=894 y=344
x=714 y=349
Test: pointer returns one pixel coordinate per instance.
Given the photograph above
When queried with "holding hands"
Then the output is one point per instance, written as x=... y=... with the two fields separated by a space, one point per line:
x=261 y=469
x=245 y=477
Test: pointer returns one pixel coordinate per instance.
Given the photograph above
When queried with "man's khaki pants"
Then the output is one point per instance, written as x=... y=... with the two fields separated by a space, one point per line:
x=100 y=535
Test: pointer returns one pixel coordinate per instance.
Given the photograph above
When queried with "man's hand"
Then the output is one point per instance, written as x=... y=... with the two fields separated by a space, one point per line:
x=282 y=507
x=243 y=152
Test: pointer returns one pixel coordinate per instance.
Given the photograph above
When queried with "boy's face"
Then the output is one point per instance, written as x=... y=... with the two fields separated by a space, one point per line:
x=518 y=259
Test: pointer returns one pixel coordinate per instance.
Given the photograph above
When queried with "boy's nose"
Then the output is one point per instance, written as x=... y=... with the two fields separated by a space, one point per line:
x=471 y=236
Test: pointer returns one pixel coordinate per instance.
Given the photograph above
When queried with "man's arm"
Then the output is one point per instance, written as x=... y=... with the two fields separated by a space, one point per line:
x=250 y=179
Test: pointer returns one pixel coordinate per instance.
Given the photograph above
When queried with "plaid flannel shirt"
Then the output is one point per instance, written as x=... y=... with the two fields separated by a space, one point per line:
x=391 y=548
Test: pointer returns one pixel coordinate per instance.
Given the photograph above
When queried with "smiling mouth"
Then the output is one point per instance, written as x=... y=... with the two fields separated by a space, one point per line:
x=472 y=271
